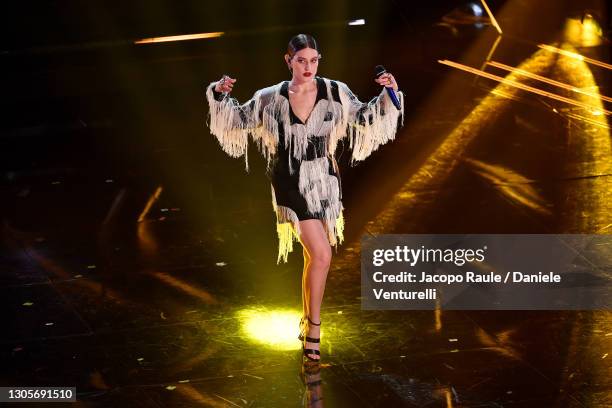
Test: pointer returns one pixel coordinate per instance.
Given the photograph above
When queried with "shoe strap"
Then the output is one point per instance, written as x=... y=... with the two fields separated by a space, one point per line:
x=313 y=339
x=313 y=323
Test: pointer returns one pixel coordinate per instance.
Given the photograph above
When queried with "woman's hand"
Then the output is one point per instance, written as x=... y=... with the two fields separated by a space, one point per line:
x=387 y=79
x=225 y=84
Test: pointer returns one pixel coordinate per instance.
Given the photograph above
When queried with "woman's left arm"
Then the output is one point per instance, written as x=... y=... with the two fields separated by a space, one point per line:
x=372 y=124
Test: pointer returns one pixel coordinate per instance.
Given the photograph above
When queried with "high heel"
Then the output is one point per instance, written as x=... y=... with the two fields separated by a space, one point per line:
x=306 y=351
x=301 y=335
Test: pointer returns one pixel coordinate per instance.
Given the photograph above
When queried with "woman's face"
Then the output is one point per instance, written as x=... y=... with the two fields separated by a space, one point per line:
x=304 y=63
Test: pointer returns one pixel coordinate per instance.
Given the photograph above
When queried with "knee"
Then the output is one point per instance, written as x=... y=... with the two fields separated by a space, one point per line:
x=321 y=257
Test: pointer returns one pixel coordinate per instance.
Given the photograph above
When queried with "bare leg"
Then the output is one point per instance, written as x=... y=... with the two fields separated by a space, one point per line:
x=304 y=303
x=315 y=242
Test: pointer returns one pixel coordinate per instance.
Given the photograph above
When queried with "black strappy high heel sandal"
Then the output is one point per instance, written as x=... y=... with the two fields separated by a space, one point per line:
x=312 y=340
x=301 y=335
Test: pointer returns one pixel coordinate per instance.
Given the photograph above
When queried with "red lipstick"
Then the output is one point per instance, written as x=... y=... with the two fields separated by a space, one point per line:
x=307 y=74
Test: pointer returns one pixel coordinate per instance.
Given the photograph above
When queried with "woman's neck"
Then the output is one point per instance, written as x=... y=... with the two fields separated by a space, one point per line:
x=303 y=86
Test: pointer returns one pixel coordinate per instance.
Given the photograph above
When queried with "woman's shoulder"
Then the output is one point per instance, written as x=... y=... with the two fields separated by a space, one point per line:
x=330 y=80
x=271 y=88
x=334 y=83
x=267 y=94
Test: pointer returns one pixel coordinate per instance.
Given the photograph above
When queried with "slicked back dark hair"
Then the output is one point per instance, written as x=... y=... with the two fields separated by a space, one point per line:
x=301 y=41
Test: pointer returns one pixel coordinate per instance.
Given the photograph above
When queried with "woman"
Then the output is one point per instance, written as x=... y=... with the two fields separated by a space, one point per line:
x=297 y=125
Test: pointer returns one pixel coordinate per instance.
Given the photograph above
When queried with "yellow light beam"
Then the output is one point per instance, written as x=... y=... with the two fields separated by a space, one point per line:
x=547 y=80
x=493 y=20
x=522 y=86
x=184 y=37
x=203 y=295
x=590 y=202
x=587 y=120
x=575 y=55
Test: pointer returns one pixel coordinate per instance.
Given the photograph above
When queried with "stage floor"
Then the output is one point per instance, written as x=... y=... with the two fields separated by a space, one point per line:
x=138 y=261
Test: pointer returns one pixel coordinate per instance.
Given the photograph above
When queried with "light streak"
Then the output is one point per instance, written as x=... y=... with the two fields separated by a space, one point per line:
x=522 y=86
x=184 y=37
x=575 y=55
x=548 y=81
x=493 y=20
x=150 y=203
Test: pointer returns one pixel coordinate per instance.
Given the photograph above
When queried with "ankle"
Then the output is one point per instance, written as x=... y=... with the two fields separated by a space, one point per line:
x=313 y=323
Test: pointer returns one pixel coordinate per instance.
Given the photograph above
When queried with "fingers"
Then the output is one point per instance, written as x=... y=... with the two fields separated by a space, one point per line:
x=386 y=79
x=226 y=84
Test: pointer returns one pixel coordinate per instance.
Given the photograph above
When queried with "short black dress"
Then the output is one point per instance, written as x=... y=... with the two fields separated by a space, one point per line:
x=286 y=184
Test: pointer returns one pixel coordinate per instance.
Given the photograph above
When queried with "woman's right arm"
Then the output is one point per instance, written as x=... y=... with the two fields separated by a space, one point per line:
x=231 y=122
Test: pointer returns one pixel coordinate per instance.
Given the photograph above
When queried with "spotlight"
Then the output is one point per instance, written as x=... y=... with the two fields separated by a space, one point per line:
x=476 y=9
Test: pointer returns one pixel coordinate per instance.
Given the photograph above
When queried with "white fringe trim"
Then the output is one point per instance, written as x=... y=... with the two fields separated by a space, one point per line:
x=227 y=125
x=313 y=127
x=334 y=226
x=316 y=184
x=288 y=227
x=367 y=138
x=232 y=130
x=341 y=112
